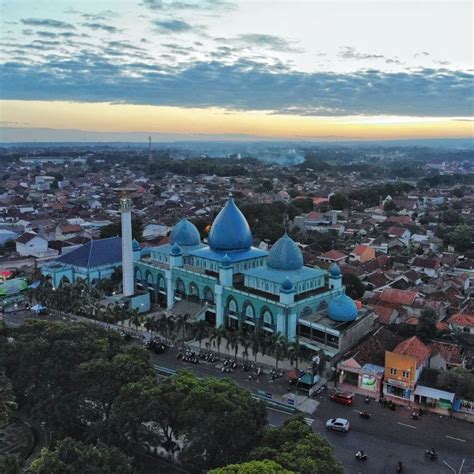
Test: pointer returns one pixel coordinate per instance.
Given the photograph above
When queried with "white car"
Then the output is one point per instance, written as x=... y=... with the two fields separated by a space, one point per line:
x=338 y=424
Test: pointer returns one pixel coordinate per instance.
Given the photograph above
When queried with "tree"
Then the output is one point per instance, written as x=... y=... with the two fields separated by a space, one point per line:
x=224 y=421
x=451 y=217
x=200 y=330
x=252 y=467
x=354 y=286
x=339 y=202
x=9 y=464
x=462 y=237
x=294 y=352
x=295 y=447
x=278 y=347
x=459 y=380
x=115 y=229
x=217 y=334
x=74 y=457
x=426 y=327
x=389 y=206
x=182 y=325
x=233 y=341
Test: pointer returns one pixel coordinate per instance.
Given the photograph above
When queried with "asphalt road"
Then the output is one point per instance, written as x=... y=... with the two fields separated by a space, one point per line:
x=388 y=437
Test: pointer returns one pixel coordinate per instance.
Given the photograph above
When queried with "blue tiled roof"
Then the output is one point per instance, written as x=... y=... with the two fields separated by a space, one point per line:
x=96 y=253
x=230 y=230
x=237 y=256
x=285 y=255
x=279 y=276
x=185 y=233
x=166 y=249
x=342 y=309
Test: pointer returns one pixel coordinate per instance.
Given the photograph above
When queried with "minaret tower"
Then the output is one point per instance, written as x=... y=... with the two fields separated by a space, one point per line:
x=127 y=251
x=149 y=149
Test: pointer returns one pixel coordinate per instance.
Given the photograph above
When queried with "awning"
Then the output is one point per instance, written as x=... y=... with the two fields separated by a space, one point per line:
x=294 y=374
x=433 y=393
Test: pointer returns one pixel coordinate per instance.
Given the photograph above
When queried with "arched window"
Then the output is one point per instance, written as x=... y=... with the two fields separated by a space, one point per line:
x=267 y=318
x=249 y=311
x=323 y=306
x=193 y=289
x=180 y=288
x=149 y=279
x=232 y=306
x=138 y=275
x=306 y=312
x=208 y=295
x=161 y=283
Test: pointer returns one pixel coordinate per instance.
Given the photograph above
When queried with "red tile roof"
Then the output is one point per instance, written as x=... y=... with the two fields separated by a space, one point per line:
x=360 y=249
x=333 y=255
x=462 y=319
x=383 y=313
x=313 y=216
x=399 y=231
x=413 y=347
x=25 y=238
x=391 y=295
x=450 y=352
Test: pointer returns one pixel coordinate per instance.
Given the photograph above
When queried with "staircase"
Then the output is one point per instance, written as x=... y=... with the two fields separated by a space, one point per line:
x=188 y=307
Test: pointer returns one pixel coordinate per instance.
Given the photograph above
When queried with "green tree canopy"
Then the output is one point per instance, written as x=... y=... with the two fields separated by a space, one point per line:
x=74 y=457
x=462 y=237
x=460 y=380
x=252 y=467
x=295 y=447
x=354 y=286
x=426 y=327
x=115 y=229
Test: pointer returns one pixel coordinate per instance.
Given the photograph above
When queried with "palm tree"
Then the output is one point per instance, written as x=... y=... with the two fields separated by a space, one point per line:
x=245 y=340
x=150 y=325
x=201 y=330
x=182 y=324
x=217 y=335
x=162 y=324
x=294 y=352
x=170 y=326
x=255 y=343
x=135 y=319
x=233 y=341
x=278 y=347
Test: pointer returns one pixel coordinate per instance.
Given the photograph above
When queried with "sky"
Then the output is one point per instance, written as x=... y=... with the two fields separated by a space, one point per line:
x=273 y=69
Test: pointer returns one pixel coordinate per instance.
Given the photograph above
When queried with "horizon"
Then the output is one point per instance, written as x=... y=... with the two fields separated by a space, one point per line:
x=272 y=70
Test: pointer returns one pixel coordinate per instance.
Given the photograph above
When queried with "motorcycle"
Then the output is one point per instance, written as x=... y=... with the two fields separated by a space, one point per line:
x=364 y=414
x=432 y=454
x=415 y=416
x=361 y=456
x=367 y=399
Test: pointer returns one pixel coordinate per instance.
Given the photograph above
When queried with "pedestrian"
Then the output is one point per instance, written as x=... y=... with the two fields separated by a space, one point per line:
x=250 y=377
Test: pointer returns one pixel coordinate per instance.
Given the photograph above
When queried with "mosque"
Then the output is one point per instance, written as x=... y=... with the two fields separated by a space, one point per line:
x=233 y=284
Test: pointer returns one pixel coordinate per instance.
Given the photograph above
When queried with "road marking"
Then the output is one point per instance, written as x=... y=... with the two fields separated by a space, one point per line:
x=408 y=426
x=309 y=421
x=462 y=464
x=457 y=439
x=450 y=467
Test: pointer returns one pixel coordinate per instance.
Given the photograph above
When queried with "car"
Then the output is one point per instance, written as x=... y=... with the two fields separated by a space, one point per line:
x=343 y=398
x=338 y=424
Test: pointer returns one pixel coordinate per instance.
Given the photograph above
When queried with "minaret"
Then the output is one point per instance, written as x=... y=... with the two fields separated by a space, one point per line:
x=127 y=251
x=149 y=148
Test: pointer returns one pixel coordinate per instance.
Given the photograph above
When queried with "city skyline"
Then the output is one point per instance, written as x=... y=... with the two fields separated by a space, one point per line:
x=283 y=70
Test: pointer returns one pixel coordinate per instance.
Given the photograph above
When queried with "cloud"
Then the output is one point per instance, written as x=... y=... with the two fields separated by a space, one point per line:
x=272 y=42
x=202 y=5
x=348 y=52
x=243 y=85
x=48 y=23
x=101 y=26
x=172 y=26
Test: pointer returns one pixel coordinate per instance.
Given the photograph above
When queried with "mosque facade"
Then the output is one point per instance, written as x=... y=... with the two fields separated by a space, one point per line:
x=236 y=285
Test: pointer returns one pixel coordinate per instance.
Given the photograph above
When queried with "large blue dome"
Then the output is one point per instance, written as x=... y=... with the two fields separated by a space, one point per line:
x=285 y=255
x=185 y=233
x=230 y=230
x=342 y=309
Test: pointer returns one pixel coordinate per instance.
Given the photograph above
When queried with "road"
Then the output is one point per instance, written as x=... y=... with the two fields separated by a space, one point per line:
x=388 y=437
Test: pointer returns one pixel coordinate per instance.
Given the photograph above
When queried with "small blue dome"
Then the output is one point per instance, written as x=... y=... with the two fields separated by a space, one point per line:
x=334 y=270
x=285 y=255
x=226 y=261
x=287 y=285
x=185 y=233
x=230 y=230
x=135 y=245
x=175 y=249
x=342 y=309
